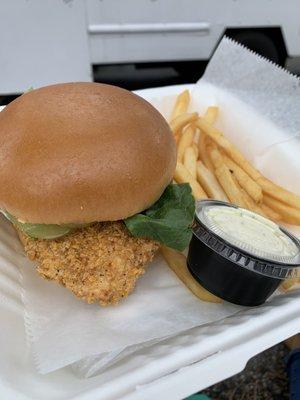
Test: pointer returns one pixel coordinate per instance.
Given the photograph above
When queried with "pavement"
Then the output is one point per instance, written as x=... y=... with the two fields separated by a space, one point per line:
x=264 y=378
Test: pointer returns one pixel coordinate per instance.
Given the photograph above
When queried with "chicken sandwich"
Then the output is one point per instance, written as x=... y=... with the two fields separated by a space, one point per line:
x=85 y=177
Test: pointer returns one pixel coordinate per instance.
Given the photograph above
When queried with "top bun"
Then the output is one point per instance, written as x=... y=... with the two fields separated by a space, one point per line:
x=82 y=152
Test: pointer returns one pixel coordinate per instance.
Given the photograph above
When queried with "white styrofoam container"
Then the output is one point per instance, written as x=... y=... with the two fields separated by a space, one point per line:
x=172 y=369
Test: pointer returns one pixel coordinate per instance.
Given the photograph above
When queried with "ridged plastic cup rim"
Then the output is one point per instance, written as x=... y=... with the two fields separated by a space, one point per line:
x=285 y=262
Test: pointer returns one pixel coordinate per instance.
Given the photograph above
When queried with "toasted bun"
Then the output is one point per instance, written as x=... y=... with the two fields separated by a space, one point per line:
x=82 y=152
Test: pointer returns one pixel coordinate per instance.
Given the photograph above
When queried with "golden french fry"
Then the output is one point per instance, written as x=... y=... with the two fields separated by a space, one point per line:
x=245 y=195
x=190 y=161
x=288 y=214
x=181 y=121
x=210 y=117
x=246 y=198
x=249 y=202
x=176 y=138
x=209 y=183
x=230 y=187
x=245 y=181
x=211 y=114
x=215 y=155
x=181 y=104
x=185 y=141
x=270 y=213
x=203 y=152
x=196 y=138
x=177 y=262
x=182 y=175
x=290 y=284
x=251 y=205
x=195 y=148
x=279 y=193
x=229 y=148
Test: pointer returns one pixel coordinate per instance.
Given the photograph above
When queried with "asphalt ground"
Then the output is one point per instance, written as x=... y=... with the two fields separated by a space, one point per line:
x=264 y=378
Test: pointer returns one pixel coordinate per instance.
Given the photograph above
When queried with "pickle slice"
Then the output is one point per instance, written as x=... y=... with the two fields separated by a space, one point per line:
x=43 y=231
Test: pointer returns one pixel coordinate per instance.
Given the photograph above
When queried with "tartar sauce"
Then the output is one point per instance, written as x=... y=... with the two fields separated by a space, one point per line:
x=249 y=231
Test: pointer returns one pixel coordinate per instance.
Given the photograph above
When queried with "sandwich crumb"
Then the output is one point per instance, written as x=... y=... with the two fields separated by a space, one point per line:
x=100 y=263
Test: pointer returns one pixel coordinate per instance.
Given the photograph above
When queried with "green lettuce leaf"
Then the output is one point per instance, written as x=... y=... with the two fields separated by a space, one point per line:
x=30 y=89
x=169 y=220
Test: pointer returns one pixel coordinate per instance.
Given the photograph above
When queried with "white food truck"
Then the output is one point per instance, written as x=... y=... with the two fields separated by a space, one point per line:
x=48 y=41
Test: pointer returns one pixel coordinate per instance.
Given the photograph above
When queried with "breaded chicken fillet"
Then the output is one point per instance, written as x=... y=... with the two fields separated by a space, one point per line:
x=100 y=263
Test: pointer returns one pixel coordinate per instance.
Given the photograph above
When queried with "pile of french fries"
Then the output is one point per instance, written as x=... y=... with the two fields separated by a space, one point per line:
x=216 y=169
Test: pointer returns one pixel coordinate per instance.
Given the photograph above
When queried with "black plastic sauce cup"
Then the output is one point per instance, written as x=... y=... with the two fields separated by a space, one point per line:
x=233 y=272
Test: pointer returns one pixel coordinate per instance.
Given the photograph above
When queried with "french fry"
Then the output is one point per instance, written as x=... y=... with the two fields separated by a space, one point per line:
x=215 y=155
x=210 y=117
x=270 y=213
x=176 y=138
x=190 y=161
x=181 y=104
x=203 y=154
x=181 y=121
x=195 y=148
x=247 y=199
x=177 y=262
x=185 y=141
x=230 y=187
x=228 y=147
x=209 y=183
x=261 y=209
x=251 y=205
x=245 y=181
x=289 y=214
x=279 y=193
x=196 y=137
x=182 y=175
x=290 y=284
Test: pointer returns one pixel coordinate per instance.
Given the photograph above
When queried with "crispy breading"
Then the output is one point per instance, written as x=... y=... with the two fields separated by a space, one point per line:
x=99 y=263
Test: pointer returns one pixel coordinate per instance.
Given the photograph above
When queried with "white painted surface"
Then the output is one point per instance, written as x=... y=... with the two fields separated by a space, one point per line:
x=108 y=47
x=42 y=42
x=50 y=41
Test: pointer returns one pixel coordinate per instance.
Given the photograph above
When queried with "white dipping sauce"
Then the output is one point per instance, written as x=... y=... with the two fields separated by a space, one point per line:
x=249 y=231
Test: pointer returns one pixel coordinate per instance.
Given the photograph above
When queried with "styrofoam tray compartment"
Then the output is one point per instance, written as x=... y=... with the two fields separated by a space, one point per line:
x=173 y=369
